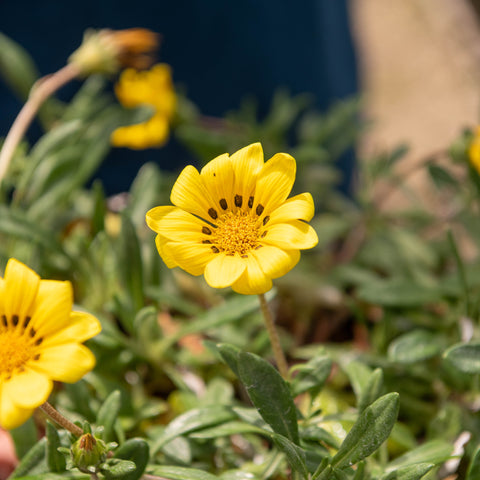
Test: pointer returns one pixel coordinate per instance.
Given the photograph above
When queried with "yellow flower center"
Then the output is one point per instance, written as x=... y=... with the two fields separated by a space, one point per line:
x=236 y=233
x=18 y=346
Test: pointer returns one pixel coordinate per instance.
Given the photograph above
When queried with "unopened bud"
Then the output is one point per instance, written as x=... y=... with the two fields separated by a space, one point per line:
x=88 y=453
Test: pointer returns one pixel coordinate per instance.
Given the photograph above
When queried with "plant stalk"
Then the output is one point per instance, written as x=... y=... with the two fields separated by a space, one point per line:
x=58 y=418
x=274 y=339
x=41 y=90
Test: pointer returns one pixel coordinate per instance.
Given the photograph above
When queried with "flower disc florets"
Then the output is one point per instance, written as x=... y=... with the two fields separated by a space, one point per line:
x=233 y=223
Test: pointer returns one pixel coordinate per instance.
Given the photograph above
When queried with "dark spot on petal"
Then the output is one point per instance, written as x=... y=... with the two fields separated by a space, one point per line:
x=213 y=213
x=32 y=332
x=206 y=231
x=38 y=341
x=4 y=321
x=214 y=174
x=266 y=219
x=15 y=320
x=238 y=200
x=230 y=254
x=258 y=246
x=215 y=249
x=250 y=202
x=223 y=204
x=9 y=377
x=259 y=209
x=26 y=321
x=263 y=234
x=245 y=256
x=21 y=369
x=37 y=357
x=206 y=241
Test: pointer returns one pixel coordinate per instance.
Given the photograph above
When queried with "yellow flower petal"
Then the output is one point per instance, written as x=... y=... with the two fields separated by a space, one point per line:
x=52 y=306
x=253 y=280
x=274 y=261
x=224 y=270
x=65 y=363
x=164 y=251
x=11 y=414
x=246 y=163
x=82 y=326
x=177 y=225
x=21 y=286
x=191 y=257
x=150 y=134
x=292 y=235
x=28 y=389
x=190 y=194
x=275 y=181
x=299 y=207
x=218 y=177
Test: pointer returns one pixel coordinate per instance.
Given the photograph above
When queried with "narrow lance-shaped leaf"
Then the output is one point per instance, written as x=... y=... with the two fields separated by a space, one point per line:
x=370 y=430
x=270 y=394
x=55 y=460
x=108 y=414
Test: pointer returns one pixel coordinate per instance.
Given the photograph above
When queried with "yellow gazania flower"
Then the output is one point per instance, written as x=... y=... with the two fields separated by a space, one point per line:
x=233 y=223
x=153 y=88
x=474 y=150
x=40 y=341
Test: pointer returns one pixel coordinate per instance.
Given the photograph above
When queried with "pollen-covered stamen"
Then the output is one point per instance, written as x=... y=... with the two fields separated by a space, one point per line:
x=17 y=347
x=236 y=233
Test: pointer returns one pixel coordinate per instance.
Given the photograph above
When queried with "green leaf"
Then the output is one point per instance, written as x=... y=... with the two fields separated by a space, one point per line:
x=464 y=357
x=324 y=470
x=230 y=428
x=229 y=354
x=31 y=460
x=414 y=347
x=270 y=394
x=195 y=419
x=180 y=473
x=372 y=390
x=55 y=460
x=24 y=437
x=359 y=375
x=434 y=451
x=398 y=293
x=410 y=472
x=136 y=451
x=119 y=469
x=108 y=414
x=370 y=430
x=16 y=67
x=441 y=177
x=473 y=472
x=295 y=455
x=311 y=376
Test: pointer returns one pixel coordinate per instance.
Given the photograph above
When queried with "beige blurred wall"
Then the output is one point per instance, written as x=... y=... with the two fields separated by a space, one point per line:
x=420 y=73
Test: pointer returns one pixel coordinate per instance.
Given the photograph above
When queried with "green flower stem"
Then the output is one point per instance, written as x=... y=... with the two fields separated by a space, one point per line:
x=41 y=90
x=58 y=418
x=274 y=339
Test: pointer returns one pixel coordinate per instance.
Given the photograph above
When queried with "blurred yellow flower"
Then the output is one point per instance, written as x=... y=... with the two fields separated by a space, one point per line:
x=233 y=222
x=153 y=88
x=474 y=150
x=107 y=51
x=40 y=341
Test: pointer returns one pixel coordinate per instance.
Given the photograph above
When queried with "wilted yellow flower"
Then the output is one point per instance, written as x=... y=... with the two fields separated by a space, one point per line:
x=474 y=150
x=40 y=341
x=233 y=222
x=107 y=51
x=153 y=88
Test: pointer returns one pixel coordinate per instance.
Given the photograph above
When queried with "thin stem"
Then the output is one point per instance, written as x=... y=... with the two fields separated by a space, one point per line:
x=274 y=339
x=40 y=91
x=57 y=417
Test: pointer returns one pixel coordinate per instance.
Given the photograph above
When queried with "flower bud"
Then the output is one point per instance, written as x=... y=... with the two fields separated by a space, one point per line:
x=88 y=453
